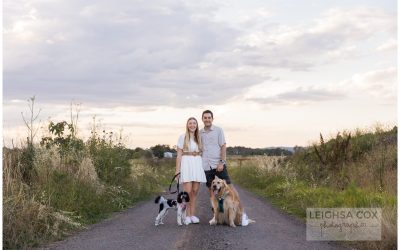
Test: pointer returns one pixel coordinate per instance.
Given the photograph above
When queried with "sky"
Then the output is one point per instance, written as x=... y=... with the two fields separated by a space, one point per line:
x=274 y=73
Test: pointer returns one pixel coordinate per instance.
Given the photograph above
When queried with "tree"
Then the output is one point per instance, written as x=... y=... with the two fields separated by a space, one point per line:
x=158 y=150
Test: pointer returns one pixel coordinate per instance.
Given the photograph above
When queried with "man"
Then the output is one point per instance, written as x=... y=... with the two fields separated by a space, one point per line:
x=214 y=156
x=214 y=151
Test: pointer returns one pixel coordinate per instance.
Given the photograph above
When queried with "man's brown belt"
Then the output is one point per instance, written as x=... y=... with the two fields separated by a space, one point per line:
x=191 y=153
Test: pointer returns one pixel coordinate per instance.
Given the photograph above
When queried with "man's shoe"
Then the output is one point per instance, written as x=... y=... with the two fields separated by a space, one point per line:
x=245 y=220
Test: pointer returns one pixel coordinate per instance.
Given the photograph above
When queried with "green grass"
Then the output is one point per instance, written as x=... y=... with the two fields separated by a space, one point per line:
x=66 y=183
x=342 y=172
x=294 y=196
x=59 y=201
x=369 y=159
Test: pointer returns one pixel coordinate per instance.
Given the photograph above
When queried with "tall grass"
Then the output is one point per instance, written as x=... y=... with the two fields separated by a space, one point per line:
x=52 y=189
x=369 y=159
x=366 y=177
x=27 y=216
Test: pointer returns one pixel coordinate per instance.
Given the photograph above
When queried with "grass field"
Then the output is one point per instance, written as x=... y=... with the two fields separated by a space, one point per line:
x=366 y=178
x=63 y=184
x=55 y=199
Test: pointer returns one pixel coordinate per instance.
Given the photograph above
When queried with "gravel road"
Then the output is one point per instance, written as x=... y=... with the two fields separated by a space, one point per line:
x=134 y=229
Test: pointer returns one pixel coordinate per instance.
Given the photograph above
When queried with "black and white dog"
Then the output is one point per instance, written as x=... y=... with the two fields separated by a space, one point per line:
x=179 y=204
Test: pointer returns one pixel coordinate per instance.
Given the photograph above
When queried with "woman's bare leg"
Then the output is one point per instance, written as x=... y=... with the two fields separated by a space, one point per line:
x=187 y=187
x=193 y=197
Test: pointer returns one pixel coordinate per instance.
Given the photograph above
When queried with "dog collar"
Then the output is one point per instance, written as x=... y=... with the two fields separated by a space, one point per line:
x=223 y=196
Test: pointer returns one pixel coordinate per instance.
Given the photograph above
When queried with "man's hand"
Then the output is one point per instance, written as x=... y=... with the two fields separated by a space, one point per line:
x=220 y=167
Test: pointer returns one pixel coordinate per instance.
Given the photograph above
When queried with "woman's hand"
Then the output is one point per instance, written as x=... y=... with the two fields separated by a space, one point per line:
x=177 y=176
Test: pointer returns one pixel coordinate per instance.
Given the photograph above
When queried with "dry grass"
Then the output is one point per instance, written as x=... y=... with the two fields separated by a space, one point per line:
x=389 y=233
x=389 y=228
x=87 y=172
x=26 y=216
x=268 y=163
x=265 y=176
x=62 y=198
x=151 y=174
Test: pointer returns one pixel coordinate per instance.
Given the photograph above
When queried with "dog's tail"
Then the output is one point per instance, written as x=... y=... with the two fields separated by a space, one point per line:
x=251 y=221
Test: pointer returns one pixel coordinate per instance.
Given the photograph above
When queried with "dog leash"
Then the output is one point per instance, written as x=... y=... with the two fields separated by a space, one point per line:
x=221 y=202
x=177 y=184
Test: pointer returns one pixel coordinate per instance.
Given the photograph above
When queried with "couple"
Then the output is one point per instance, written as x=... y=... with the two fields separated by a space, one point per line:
x=201 y=155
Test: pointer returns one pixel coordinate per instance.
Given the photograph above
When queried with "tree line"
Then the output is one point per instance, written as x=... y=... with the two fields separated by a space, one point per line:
x=159 y=150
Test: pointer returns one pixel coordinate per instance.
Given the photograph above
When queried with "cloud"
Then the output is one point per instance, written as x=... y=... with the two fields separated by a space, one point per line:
x=165 y=53
x=299 y=96
x=389 y=45
x=380 y=84
x=135 y=53
x=337 y=35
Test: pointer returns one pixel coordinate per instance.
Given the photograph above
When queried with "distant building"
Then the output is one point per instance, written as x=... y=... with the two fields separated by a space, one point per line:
x=168 y=155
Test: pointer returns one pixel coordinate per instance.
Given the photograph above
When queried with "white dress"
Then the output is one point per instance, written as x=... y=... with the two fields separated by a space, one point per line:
x=191 y=166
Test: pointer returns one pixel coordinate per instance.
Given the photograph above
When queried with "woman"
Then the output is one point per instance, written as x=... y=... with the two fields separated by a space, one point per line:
x=189 y=164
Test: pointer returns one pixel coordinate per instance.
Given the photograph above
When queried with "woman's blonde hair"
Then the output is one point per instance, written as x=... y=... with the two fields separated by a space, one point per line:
x=196 y=138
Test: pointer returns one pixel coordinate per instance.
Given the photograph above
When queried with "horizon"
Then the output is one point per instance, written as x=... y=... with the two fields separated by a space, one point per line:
x=19 y=142
x=273 y=72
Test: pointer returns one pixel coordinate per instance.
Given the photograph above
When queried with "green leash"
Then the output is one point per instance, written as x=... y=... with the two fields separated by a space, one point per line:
x=221 y=205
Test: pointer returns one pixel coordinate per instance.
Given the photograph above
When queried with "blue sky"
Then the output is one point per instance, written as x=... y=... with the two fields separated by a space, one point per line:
x=274 y=72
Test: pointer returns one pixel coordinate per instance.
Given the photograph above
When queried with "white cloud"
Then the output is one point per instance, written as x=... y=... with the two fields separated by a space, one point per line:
x=164 y=53
x=299 y=96
x=389 y=45
x=254 y=17
x=141 y=54
x=334 y=36
x=355 y=24
x=380 y=84
x=137 y=63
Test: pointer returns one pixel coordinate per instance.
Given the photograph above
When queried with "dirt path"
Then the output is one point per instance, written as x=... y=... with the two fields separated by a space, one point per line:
x=134 y=229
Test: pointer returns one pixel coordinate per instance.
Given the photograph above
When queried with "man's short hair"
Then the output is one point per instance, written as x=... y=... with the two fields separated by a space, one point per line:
x=209 y=112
